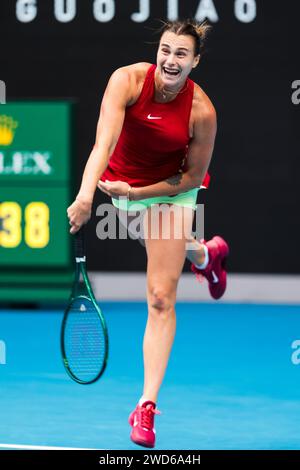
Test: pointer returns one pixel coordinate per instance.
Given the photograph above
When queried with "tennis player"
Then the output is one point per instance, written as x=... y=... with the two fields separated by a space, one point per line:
x=154 y=143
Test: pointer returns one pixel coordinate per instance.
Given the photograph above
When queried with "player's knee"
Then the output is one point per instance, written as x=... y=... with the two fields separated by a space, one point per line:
x=161 y=299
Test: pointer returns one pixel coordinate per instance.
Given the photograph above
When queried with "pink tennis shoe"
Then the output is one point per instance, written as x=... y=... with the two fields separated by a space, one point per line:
x=215 y=271
x=142 y=422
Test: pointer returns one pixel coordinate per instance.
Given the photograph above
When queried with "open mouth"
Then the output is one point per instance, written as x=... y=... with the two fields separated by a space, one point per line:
x=171 y=72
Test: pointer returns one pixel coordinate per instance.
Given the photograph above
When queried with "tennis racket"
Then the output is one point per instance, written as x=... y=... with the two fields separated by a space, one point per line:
x=84 y=336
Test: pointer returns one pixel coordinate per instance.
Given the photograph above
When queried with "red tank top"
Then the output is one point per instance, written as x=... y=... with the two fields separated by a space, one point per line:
x=154 y=139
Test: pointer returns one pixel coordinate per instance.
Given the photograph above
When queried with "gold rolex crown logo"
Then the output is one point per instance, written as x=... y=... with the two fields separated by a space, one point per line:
x=7 y=129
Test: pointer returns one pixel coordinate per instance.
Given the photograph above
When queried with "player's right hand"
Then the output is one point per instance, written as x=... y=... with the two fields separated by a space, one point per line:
x=79 y=214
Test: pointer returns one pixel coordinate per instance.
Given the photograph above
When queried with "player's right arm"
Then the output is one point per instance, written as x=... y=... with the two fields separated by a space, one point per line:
x=117 y=96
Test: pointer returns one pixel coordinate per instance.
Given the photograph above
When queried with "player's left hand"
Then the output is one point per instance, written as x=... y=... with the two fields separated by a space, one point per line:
x=114 y=188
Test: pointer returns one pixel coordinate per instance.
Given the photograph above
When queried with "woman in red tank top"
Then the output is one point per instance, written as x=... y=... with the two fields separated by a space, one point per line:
x=154 y=143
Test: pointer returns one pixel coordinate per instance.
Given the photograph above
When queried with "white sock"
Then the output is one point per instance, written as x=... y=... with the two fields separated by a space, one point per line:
x=206 y=260
x=142 y=400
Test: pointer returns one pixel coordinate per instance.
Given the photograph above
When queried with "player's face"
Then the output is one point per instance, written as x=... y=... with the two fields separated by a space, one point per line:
x=175 y=58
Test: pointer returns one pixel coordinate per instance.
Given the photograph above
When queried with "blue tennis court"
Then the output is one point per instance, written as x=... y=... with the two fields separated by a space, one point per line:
x=231 y=382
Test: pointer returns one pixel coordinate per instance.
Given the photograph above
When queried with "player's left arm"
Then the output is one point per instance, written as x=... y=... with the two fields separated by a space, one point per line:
x=202 y=145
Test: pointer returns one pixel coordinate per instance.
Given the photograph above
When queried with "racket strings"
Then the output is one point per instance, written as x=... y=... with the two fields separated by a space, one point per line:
x=84 y=340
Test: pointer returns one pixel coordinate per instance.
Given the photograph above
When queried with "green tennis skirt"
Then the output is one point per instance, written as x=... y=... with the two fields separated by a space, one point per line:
x=186 y=199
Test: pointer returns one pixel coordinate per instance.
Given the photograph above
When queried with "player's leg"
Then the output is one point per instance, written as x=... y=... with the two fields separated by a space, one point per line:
x=195 y=252
x=133 y=224
x=165 y=260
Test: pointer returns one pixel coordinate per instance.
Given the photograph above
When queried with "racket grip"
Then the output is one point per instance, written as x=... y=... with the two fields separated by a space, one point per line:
x=79 y=246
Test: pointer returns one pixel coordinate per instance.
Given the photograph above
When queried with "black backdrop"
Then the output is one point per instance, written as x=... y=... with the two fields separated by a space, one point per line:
x=247 y=72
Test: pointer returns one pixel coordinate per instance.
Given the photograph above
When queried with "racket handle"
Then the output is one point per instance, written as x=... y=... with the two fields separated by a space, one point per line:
x=79 y=245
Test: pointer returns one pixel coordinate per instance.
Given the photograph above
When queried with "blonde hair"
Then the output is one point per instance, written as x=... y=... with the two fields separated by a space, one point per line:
x=189 y=27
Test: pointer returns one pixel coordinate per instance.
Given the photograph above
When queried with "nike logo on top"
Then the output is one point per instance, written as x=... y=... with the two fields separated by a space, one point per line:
x=153 y=117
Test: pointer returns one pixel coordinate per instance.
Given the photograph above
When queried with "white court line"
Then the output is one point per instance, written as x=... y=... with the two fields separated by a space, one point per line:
x=26 y=447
